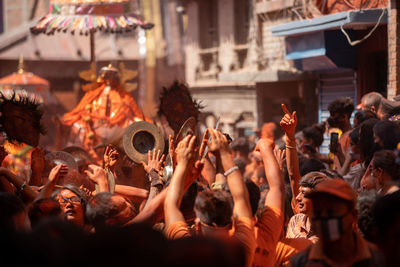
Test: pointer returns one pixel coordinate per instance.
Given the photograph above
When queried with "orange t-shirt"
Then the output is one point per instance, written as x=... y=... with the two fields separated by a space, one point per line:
x=267 y=232
x=287 y=247
x=242 y=230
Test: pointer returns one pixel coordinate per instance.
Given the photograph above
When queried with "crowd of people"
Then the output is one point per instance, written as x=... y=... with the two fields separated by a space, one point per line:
x=240 y=203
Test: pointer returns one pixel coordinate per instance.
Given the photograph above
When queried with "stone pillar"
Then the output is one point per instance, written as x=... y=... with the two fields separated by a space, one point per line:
x=393 y=29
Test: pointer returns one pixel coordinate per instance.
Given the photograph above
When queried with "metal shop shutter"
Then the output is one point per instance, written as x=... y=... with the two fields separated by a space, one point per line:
x=333 y=85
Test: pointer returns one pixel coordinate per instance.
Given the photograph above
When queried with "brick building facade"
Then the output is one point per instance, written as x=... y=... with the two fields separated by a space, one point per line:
x=394 y=49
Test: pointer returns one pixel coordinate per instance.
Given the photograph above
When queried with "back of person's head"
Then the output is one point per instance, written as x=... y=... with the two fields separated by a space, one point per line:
x=214 y=208
x=311 y=165
x=371 y=101
x=43 y=209
x=355 y=136
x=240 y=145
x=363 y=115
x=331 y=173
x=315 y=133
x=386 y=161
x=12 y=212
x=98 y=209
x=108 y=210
x=344 y=105
x=366 y=140
x=188 y=200
x=311 y=179
x=388 y=108
x=365 y=220
x=388 y=132
x=387 y=221
x=241 y=163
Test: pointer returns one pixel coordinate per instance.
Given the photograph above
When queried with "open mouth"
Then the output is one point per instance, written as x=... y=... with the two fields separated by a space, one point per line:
x=70 y=212
x=300 y=205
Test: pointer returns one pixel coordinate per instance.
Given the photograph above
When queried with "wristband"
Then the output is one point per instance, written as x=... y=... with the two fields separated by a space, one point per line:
x=234 y=168
x=290 y=147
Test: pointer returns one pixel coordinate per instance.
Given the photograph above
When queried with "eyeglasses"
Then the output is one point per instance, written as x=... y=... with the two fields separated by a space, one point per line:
x=72 y=200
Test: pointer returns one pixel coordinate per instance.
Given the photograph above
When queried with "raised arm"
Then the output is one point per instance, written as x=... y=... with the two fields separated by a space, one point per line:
x=219 y=146
x=185 y=154
x=55 y=175
x=276 y=194
x=288 y=124
x=19 y=183
x=99 y=176
x=153 y=167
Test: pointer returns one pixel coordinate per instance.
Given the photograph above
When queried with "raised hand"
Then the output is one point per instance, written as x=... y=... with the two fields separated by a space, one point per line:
x=185 y=151
x=97 y=174
x=265 y=144
x=204 y=143
x=288 y=122
x=110 y=157
x=280 y=156
x=195 y=171
x=58 y=172
x=154 y=161
x=219 y=143
x=86 y=190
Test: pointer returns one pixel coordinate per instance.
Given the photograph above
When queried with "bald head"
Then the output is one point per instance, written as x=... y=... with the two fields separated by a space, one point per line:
x=371 y=101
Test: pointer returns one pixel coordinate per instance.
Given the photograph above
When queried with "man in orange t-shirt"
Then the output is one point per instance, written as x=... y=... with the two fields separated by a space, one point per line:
x=213 y=208
x=270 y=224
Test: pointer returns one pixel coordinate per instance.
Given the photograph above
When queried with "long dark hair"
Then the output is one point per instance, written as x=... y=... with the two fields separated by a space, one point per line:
x=389 y=133
x=386 y=160
x=366 y=140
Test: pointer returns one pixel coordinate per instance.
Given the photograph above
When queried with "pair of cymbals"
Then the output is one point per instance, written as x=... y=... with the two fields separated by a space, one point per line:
x=140 y=137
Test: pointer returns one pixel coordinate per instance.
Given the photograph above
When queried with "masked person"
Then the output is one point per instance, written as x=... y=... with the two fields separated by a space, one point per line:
x=333 y=219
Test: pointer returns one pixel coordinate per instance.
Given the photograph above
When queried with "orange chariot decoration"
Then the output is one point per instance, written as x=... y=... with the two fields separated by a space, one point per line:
x=105 y=110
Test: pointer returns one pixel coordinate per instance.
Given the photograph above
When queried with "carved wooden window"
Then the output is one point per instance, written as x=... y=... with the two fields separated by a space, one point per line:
x=241 y=21
x=208 y=24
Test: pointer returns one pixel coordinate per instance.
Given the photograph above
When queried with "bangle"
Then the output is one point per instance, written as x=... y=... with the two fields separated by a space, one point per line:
x=291 y=147
x=234 y=168
x=22 y=186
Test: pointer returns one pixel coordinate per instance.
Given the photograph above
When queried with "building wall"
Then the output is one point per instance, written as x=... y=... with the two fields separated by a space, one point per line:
x=394 y=49
x=226 y=77
x=233 y=104
x=273 y=50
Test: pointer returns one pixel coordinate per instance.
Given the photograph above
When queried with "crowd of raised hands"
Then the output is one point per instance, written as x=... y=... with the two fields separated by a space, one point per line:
x=218 y=208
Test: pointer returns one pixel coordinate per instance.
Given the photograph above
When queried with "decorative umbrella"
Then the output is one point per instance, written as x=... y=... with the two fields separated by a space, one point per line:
x=29 y=82
x=89 y=16
x=26 y=83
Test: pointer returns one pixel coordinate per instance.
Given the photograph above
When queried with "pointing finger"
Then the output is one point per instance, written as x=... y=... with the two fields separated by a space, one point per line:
x=284 y=108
